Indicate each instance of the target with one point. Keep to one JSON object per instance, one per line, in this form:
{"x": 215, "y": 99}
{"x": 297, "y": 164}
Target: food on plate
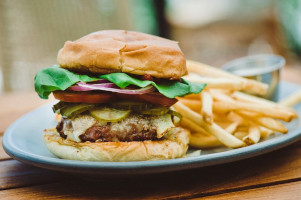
{"x": 225, "y": 78}
{"x": 223, "y": 115}
{"x": 115, "y": 89}
{"x": 291, "y": 100}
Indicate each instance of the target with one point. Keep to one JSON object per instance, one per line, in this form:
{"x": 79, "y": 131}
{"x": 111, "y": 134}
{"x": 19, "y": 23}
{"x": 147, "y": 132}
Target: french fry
{"x": 234, "y": 117}
{"x": 186, "y": 123}
{"x": 265, "y": 121}
{"x": 253, "y": 136}
{"x": 221, "y": 120}
{"x": 199, "y": 140}
{"x": 191, "y": 103}
{"x": 257, "y": 105}
{"x": 219, "y": 107}
{"x": 220, "y": 95}
{"x": 258, "y": 108}
{"x": 193, "y": 96}
{"x": 193, "y": 154}
{"x": 221, "y": 115}
{"x": 253, "y": 99}
{"x": 206, "y": 110}
{"x": 206, "y": 70}
{"x": 231, "y": 128}
{"x": 292, "y": 99}
{"x": 243, "y": 128}
{"x": 265, "y": 132}
{"x": 222, "y": 123}
{"x": 221, "y": 83}
{"x": 222, "y": 135}
{"x": 240, "y": 134}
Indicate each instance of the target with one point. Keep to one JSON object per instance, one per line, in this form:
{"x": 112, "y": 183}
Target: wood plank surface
{"x": 16, "y": 174}
{"x": 247, "y": 174}
{"x": 3, "y": 155}
{"x": 287, "y": 191}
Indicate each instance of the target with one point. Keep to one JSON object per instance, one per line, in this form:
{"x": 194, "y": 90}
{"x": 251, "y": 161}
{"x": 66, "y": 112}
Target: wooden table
{"x": 276, "y": 175}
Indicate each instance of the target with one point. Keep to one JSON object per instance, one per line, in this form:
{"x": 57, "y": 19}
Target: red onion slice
{"x": 86, "y": 87}
{"x": 110, "y": 88}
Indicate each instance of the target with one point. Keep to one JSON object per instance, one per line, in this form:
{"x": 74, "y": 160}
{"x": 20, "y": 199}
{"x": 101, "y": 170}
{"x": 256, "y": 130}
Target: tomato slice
{"x": 153, "y": 98}
{"x": 92, "y": 97}
{"x": 84, "y": 97}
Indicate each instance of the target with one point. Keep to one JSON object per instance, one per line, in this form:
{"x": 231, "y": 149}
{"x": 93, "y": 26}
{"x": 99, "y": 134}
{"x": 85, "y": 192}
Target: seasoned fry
{"x": 191, "y": 103}
{"x": 223, "y": 136}
{"x": 206, "y": 110}
{"x": 253, "y": 136}
{"x": 199, "y": 140}
{"x": 206, "y": 70}
{"x": 292, "y": 99}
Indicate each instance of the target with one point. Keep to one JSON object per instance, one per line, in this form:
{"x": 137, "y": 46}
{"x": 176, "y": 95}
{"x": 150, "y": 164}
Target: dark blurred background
{"x": 210, "y": 31}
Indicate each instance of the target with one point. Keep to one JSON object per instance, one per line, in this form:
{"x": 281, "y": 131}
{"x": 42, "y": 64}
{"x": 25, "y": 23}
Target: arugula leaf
{"x": 56, "y": 78}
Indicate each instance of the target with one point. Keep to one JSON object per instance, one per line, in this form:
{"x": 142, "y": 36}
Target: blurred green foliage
{"x": 290, "y": 18}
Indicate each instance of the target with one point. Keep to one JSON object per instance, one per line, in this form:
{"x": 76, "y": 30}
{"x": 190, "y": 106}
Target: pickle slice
{"x": 129, "y": 105}
{"x": 72, "y": 111}
{"x": 155, "y": 111}
{"x": 109, "y": 114}
{"x": 176, "y": 117}
{"x": 60, "y": 105}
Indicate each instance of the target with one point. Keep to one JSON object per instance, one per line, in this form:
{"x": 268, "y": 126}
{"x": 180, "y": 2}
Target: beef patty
{"x": 133, "y": 128}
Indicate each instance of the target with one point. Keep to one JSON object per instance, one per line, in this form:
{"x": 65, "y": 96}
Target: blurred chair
{"x": 32, "y": 31}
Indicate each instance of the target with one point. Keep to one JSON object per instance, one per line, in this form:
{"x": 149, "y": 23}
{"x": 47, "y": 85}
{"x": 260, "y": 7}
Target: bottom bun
{"x": 173, "y": 145}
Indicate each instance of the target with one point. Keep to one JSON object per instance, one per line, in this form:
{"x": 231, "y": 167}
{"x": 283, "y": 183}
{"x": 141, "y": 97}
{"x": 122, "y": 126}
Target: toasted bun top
{"x": 124, "y": 51}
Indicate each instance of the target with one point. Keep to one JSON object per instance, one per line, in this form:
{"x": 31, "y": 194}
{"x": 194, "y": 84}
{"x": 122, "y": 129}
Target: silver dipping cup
{"x": 264, "y": 68}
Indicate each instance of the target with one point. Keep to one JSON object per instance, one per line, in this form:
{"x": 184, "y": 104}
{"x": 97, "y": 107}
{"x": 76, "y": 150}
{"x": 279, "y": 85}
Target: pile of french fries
{"x": 223, "y": 115}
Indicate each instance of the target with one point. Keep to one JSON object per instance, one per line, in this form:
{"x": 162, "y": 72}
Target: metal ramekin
{"x": 264, "y": 68}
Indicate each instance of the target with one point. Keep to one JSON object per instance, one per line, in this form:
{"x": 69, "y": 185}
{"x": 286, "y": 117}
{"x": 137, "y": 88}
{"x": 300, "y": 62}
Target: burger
{"x": 116, "y": 90}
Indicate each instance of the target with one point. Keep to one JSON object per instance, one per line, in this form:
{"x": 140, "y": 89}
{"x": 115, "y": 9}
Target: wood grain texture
{"x": 3, "y": 155}
{"x": 258, "y": 172}
{"x": 16, "y": 174}
{"x": 287, "y": 191}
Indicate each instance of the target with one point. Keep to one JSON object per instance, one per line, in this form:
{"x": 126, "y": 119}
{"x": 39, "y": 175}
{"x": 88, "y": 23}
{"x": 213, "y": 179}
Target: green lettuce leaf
{"x": 56, "y": 78}
{"x": 170, "y": 89}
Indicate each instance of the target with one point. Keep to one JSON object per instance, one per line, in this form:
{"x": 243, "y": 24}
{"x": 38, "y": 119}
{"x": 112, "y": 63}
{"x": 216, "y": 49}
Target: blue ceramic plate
{"x": 23, "y": 141}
